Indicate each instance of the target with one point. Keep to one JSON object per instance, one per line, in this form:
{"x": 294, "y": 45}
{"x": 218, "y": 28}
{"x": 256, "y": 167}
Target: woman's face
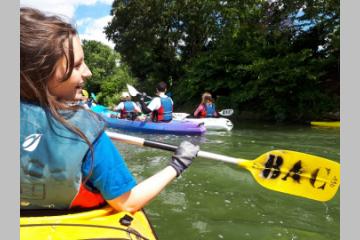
{"x": 70, "y": 89}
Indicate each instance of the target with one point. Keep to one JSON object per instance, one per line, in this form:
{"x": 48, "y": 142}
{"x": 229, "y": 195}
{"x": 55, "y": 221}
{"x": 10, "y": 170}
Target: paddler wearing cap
{"x": 127, "y": 108}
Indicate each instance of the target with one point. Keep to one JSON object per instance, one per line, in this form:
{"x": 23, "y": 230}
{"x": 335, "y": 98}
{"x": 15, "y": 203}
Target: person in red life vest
{"x": 67, "y": 161}
{"x": 128, "y": 109}
{"x": 160, "y": 107}
{"x": 206, "y": 108}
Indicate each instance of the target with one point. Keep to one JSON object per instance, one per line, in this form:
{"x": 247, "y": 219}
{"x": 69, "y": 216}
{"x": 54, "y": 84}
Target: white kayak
{"x": 179, "y": 115}
{"x": 219, "y": 124}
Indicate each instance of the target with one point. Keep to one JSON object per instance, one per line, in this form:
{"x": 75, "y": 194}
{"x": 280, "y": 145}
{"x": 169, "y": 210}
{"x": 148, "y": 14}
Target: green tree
{"x": 279, "y": 59}
{"x": 109, "y": 74}
{"x": 156, "y": 38}
{"x": 138, "y": 29}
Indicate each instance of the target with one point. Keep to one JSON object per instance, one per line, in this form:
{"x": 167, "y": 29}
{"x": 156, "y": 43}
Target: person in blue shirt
{"x": 66, "y": 159}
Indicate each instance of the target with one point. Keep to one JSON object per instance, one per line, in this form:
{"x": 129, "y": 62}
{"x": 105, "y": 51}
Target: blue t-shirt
{"x": 110, "y": 174}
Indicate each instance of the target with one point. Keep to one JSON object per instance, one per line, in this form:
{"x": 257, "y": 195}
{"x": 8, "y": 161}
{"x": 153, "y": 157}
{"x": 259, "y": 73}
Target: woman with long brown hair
{"x": 67, "y": 160}
{"x": 207, "y": 107}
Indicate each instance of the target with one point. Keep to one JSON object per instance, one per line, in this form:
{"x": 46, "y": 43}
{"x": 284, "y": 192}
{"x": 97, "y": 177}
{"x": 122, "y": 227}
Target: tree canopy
{"x": 109, "y": 74}
{"x": 278, "y": 59}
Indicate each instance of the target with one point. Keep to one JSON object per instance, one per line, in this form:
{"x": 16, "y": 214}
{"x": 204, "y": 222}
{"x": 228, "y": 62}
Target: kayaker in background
{"x": 207, "y": 107}
{"x": 128, "y": 109}
{"x": 85, "y": 94}
{"x": 86, "y": 101}
{"x": 160, "y": 107}
{"x": 66, "y": 158}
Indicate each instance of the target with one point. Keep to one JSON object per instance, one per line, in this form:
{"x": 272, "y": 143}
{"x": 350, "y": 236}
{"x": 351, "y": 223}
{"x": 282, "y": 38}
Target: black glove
{"x": 184, "y": 156}
{"x": 141, "y": 96}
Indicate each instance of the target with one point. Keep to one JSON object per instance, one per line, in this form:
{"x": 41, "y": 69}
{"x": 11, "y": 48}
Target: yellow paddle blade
{"x": 296, "y": 173}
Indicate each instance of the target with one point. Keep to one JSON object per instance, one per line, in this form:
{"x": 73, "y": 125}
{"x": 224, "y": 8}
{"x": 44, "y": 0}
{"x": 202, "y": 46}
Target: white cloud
{"x": 93, "y": 27}
{"x": 63, "y": 7}
{"x": 83, "y": 22}
{"x": 94, "y": 30}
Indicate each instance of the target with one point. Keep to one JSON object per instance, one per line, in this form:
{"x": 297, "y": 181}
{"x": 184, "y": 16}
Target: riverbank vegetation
{"x": 275, "y": 60}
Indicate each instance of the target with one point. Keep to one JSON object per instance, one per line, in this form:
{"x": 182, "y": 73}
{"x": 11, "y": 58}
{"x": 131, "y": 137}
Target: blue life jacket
{"x": 210, "y": 110}
{"x": 164, "y": 113}
{"x": 51, "y": 155}
{"x": 129, "y": 106}
{"x": 128, "y": 109}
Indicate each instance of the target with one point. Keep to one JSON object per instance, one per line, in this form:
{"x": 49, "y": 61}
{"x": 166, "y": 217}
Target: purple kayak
{"x": 173, "y": 127}
{"x": 178, "y": 127}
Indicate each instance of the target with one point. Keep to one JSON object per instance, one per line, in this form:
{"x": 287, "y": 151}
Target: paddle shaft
{"x": 284, "y": 171}
{"x": 167, "y": 147}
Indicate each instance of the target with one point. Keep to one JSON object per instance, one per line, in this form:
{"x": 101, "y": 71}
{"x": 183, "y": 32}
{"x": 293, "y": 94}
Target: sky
{"x": 88, "y": 16}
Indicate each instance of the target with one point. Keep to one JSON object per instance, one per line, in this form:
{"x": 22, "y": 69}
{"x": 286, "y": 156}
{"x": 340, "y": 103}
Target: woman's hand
{"x": 184, "y": 156}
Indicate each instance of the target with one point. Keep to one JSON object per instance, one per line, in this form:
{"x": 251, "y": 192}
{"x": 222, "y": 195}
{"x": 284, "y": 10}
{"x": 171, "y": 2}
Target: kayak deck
{"x": 104, "y": 223}
{"x": 216, "y": 124}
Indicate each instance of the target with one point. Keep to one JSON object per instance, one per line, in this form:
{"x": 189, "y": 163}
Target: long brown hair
{"x": 44, "y": 41}
{"x": 206, "y": 97}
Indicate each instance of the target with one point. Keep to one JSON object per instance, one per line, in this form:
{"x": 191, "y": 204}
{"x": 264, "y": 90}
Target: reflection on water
{"x": 215, "y": 200}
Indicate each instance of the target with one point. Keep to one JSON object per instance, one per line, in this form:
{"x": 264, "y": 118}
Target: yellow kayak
{"x": 104, "y": 223}
{"x": 326, "y": 124}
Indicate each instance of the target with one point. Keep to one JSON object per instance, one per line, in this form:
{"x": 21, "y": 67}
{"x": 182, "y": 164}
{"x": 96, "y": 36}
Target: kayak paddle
{"x": 93, "y": 96}
{"x": 226, "y": 112}
{"x": 181, "y": 116}
{"x": 290, "y": 172}
{"x": 133, "y": 92}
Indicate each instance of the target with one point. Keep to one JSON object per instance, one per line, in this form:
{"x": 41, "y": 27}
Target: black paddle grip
{"x": 160, "y": 145}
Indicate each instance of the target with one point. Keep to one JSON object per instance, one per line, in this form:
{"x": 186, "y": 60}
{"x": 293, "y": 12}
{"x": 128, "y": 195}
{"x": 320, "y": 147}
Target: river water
{"x": 216, "y": 200}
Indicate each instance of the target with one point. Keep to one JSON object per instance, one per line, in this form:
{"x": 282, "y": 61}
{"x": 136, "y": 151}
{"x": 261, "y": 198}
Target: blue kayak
{"x": 178, "y": 127}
